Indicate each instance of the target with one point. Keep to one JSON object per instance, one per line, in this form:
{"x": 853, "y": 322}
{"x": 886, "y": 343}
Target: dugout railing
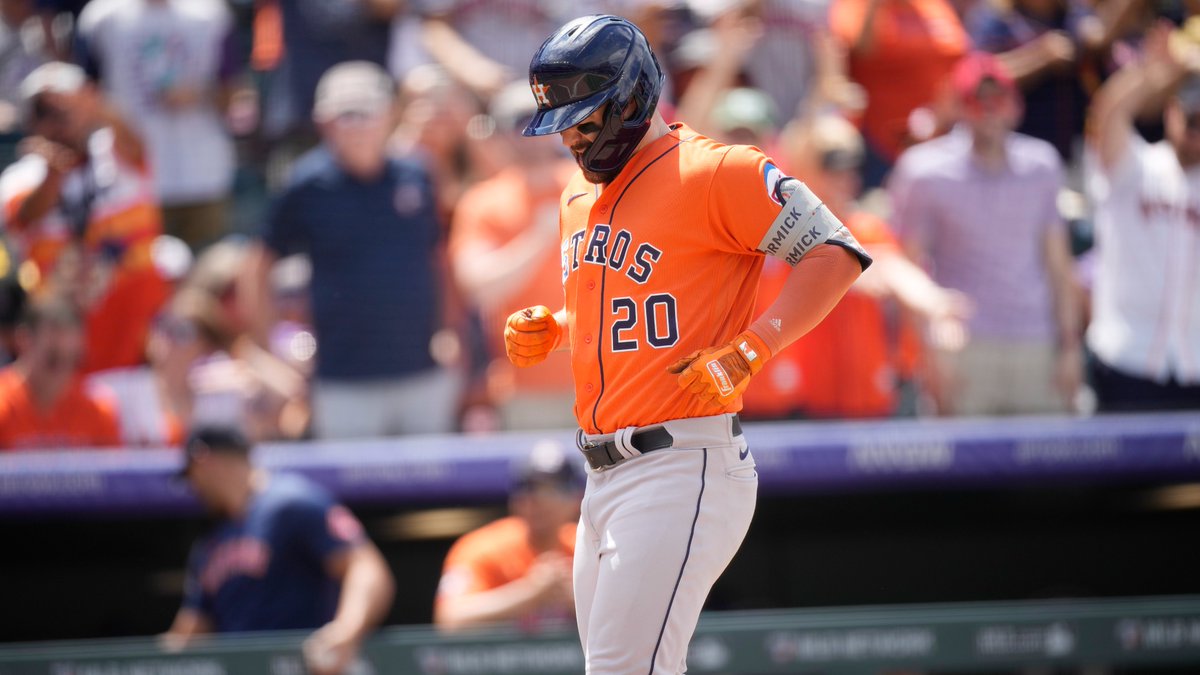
{"x": 962, "y": 637}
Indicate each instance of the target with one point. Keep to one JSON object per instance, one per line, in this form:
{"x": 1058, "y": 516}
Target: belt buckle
{"x": 581, "y": 441}
{"x": 585, "y": 446}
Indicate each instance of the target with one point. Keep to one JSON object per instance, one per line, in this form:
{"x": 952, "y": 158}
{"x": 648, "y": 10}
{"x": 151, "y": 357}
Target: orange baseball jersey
{"x": 492, "y": 556}
{"x": 80, "y": 419}
{"x": 915, "y": 46}
{"x": 665, "y": 260}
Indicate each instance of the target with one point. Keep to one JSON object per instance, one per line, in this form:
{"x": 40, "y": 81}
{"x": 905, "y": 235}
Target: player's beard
{"x": 597, "y": 178}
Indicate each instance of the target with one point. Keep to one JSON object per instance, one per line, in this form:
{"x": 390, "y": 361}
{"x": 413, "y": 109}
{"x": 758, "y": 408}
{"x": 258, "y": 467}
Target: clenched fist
{"x": 530, "y": 335}
{"x": 720, "y": 374}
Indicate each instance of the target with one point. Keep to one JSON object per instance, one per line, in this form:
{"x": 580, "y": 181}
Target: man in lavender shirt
{"x": 978, "y": 208}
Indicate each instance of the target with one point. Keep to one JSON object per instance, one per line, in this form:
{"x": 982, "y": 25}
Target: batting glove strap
{"x": 530, "y": 335}
{"x": 720, "y": 374}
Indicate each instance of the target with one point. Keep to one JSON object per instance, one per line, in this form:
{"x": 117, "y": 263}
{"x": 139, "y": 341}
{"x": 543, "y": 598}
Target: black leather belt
{"x": 606, "y": 454}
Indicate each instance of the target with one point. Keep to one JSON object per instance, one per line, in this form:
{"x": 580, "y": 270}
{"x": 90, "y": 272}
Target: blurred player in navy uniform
{"x": 285, "y": 556}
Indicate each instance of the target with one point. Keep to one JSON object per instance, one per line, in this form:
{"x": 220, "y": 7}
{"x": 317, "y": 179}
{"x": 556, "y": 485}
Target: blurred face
{"x": 212, "y": 477}
{"x": 839, "y": 176}
{"x": 1183, "y": 131}
{"x": 437, "y": 117}
{"x": 67, "y": 119}
{"x": 205, "y": 478}
{"x": 174, "y": 344}
{"x": 743, "y": 136}
{"x": 53, "y": 349}
{"x": 992, "y": 112}
{"x": 359, "y": 140}
{"x": 546, "y": 507}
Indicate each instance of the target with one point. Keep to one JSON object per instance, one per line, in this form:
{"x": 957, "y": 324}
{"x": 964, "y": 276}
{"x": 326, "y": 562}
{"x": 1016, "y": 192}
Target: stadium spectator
{"x": 504, "y": 260}
{"x": 22, "y": 49}
{"x": 80, "y": 205}
{"x": 900, "y": 52}
{"x": 205, "y": 370}
{"x": 483, "y": 44}
{"x": 59, "y": 18}
{"x": 518, "y": 569}
{"x": 782, "y": 47}
{"x": 318, "y": 34}
{"x": 368, "y": 222}
{"x": 978, "y": 207}
{"x": 137, "y": 389}
{"x": 746, "y": 116}
{"x": 852, "y": 364}
{"x": 713, "y": 62}
{"x": 1053, "y": 49}
{"x": 169, "y": 67}
{"x": 1144, "y": 336}
{"x": 284, "y": 556}
{"x": 434, "y": 118}
{"x": 42, "y": 402}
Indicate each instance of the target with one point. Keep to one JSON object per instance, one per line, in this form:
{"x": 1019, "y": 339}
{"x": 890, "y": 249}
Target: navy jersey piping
{"x": 604, "y": 275}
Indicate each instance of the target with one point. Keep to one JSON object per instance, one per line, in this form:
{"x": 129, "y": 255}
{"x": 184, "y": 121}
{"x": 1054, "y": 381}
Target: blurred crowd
{"x": 309, "y": 218}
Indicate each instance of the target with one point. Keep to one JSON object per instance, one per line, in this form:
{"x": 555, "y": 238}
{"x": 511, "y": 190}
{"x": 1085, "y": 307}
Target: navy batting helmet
{"x": 588, "y": 63}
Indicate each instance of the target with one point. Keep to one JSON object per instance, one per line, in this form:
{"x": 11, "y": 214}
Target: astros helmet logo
{"x": 539, "y": 92}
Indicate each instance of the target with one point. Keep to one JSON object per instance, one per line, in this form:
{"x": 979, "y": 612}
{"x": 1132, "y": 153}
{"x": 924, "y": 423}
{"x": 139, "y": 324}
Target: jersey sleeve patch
{"x": 772, "y": 176}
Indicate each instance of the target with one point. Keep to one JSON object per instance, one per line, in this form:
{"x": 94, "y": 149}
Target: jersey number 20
{"x": 657, "y": 315}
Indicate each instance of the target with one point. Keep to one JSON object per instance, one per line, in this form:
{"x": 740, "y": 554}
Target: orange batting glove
{"x": 530, "y": 335}
{"x": 720, "y": 374}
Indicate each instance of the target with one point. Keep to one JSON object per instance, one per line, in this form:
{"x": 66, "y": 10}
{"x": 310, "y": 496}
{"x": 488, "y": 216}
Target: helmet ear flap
{"x": 607, "y": 146}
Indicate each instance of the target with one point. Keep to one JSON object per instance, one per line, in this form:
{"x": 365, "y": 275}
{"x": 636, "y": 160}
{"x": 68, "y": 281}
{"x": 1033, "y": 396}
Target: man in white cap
{"x": 369, "y": 223}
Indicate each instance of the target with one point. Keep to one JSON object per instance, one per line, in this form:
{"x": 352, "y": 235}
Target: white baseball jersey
{"x": 1146, "y": 294}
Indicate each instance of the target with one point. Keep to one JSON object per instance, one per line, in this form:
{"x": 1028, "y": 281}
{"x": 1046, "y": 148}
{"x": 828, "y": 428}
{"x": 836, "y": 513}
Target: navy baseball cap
{"x": 207, "y": 439}
{"x": 549, "y": 463}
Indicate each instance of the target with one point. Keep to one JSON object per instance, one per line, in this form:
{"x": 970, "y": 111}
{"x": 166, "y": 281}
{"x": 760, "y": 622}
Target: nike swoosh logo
{"x": 743, "y": 454}
{"x": 575, "y": 196}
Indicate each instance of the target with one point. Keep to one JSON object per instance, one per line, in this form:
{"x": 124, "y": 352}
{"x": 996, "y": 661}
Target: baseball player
{"x": 663, "y": 234}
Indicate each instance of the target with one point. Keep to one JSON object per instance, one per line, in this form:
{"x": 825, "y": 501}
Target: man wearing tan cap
{"x": 369, "y": 223}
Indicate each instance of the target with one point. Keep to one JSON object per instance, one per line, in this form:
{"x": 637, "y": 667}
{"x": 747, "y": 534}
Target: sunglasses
{"x": 841, "y": 159}
{"x": 176, "y": 329}
{"x": 358, "y": 119}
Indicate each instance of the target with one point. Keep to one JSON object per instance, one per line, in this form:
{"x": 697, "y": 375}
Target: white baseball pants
{"x": 654, "y": 534}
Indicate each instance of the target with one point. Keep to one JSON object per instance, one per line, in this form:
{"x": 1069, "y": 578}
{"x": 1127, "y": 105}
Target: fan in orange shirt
{"x": 850, "y": 364}
{"x": 42, "y": 403}
{"x": 506, "y": 257}
{"x": 901, "y": 52}
{"x": 518, "y": 569}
